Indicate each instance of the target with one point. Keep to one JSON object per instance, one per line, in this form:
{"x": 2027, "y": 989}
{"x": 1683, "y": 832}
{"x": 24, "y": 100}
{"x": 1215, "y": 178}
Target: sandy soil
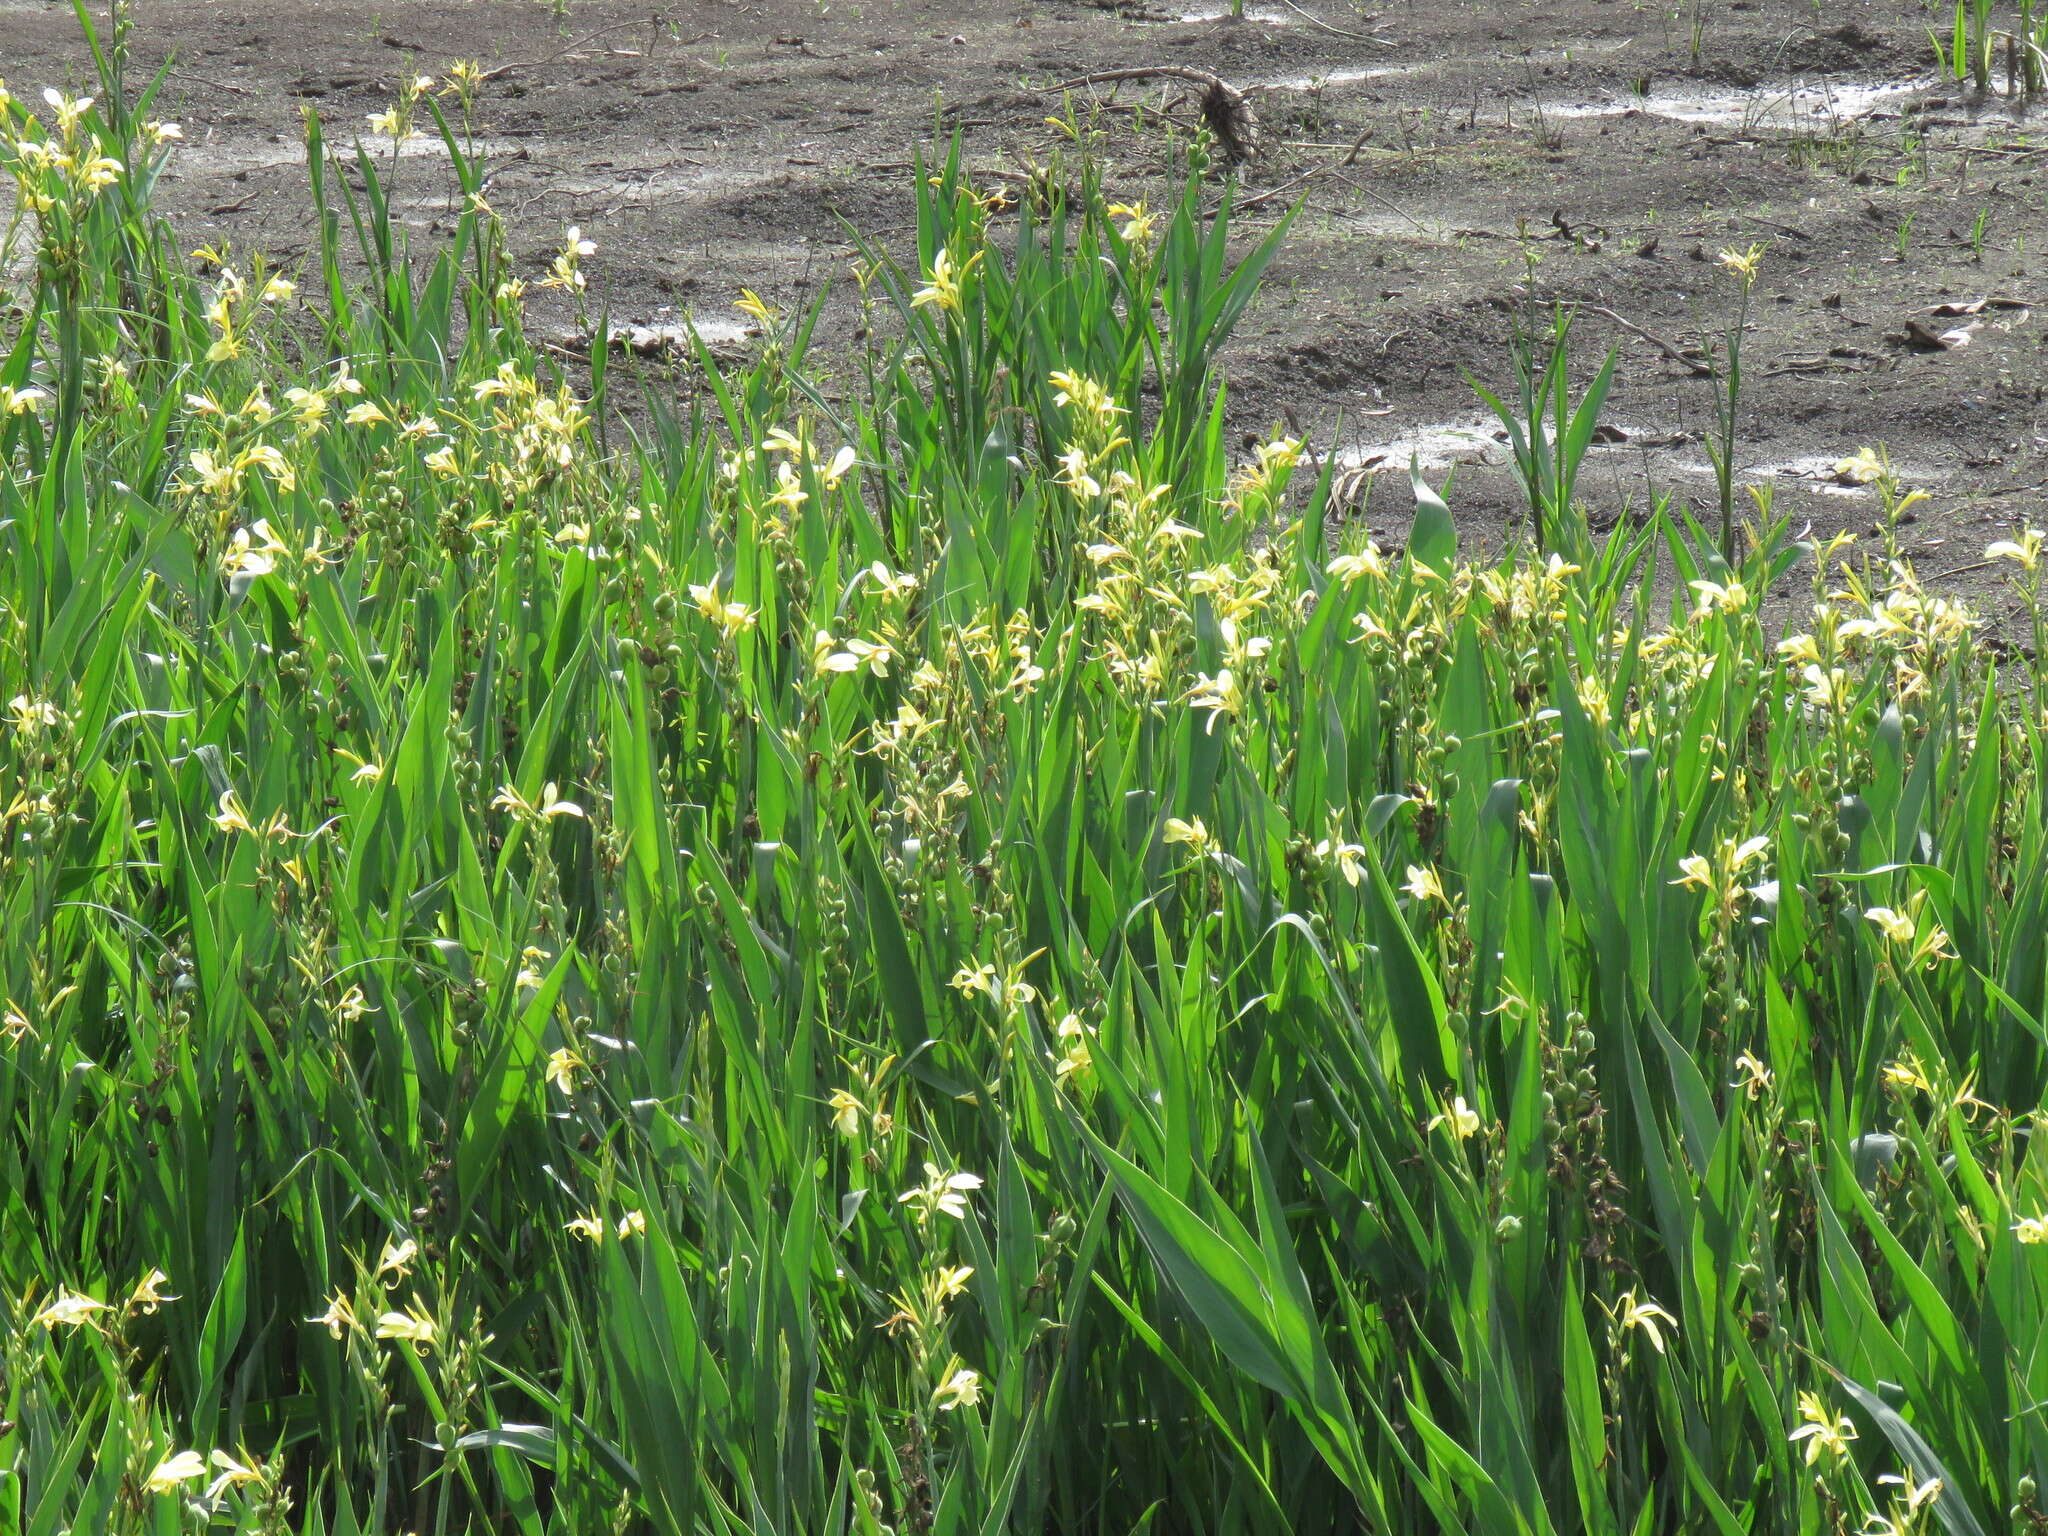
{"x": 723, "y": 143}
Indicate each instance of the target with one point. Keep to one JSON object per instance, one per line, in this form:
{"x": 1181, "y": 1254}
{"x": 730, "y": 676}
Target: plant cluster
{"x": 942, "y": 960}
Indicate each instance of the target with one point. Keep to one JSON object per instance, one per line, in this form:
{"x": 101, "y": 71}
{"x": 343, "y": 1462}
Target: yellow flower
{"x": 1461, "y": 1117}
{"x": 1916, "y": 1495}
{"x": 632, "y": 1224}
{"x": 32, "y": 715}
{"x": 846, "y": 1112}
{"x": 962, "y": 1389}
{"x": 732, "y": 618}
{"x": 1083, "y": 393}
{"x": 1927, "y": 942}
{"x": 229, "y": 1473}
{"x": 71, "y": 1309}
{"x": 2026, "y": 553}
{"x": 1349, "y": 858}
{"x": 1422, "y": 883}
{"x": 396, "y": 1259}
{"x": 750, "y": 303}
{"x": 789, "y": 490}
{"x": 230, "y": 817}
{"x": 149, "y": 1294}
{"x": 14, "y": 402}
{"x": 412, "y": 1325}
{"x": 1907, "y": 1073}
{"x": 545, "y": 808}
{"x": 1742, "y": 263}
{"x": 563, "y": 1065}
{"x": 982, "y": 979}
{"x": 943, "y": 286}
{"x": 1798, "y": 649}
{"x": 1823, "y": 1432}
{"x": 1194, "y": 833}
{"x": 1218, "y": 695}
{"x": 589, "y": 1227}
{"x": 2031, "y": 1229}
{"x": 365, "y": 413}
{"x": 1137, "y": 222}
{"x": 1075, "y": 477}
{"x": 338, "y": 1317}
{"x": 942, "y": 1193}
{"x": 1863, "y": 467}
{"x": 1077, "y": 1057}
{"x": 1752, "y": 1076}
{"x": 69, "y": 109}
{"x": 1348, "y": 568}
{"x": 1715, "y": 598}
{"x": 1632, "y": 1312}
{"x": 185, "y": 1467}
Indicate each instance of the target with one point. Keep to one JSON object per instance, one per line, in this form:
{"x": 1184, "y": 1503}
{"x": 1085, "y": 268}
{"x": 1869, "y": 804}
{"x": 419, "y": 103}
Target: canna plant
{"x": 936, "y": 958}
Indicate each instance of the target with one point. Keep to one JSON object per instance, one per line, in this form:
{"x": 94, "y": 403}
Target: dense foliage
{"x": 928, "y": 955}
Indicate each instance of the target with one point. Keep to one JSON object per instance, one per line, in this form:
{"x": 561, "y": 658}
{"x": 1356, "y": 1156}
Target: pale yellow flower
{"x": 1752, "y": 1076}
{"x": 943, "y": 287}
{"x": 1742, "y": 263}
{"x": 1074, "y": 475}
{"x": 962, "y": 1389}
{"x": 185, "y": 1467}
{"x": 942, "y": 1193}
{"x": 339, "y": 1316}
{"x": 149, "y": 1293}
{"x": 549, "y": 804}
{"x": 1824, "y": 1433}
{"x": 563, "y": 1065}
{"x": 70, "y": 1309}
{"x": 1348, "y": 857}
{"x": 412, "y": 1325}
{"x": 1462, "y": 1118}
{"x": 2025, "y": 552}
{"x": 1349, "y": 568}
{"x": 1218, "y": 696}
{"x": 229, "y": 1473}
{"x": 1137, "y": 228}
{"x": 1632, "y": 1312}
{"x": 1424, "y": 885}
{"x": 396, "y": 1259}
{"x": 846, "y": 1112}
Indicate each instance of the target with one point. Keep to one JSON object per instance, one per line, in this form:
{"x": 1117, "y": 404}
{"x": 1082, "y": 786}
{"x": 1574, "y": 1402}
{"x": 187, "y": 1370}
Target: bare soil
{"x": 1433, "y": 148}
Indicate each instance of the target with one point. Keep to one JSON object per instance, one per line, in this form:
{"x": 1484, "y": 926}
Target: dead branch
{"x": 561, "y": 53}
{"x": 1684, "y": 359}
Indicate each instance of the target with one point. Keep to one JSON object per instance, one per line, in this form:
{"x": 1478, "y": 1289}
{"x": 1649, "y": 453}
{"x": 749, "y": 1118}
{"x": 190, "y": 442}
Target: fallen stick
{"x": 1686, "y": 360}
{"x": 587, "y": 38}
{"x": 1363, "y": 37}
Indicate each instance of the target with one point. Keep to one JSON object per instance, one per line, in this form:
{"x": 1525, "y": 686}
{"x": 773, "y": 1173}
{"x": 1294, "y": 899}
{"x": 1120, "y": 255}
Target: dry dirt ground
{"x": 1434, "y": 148}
